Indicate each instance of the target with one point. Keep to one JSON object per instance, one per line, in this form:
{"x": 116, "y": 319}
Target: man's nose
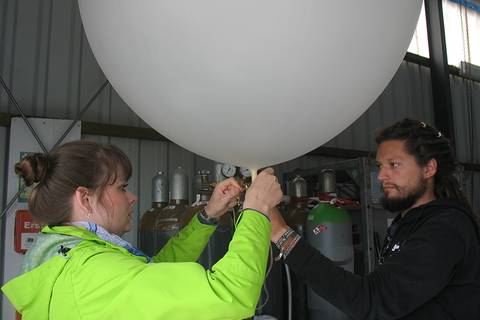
{"x": 382, "y": 175}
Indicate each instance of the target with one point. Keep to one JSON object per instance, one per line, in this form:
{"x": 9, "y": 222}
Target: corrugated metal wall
{"x": 3, "y": 160}
{"x": 409, "y": 94}
{"x": 466, "y": 113}
{"x": 46, "y": 61}
{"x": 466, "y": 106}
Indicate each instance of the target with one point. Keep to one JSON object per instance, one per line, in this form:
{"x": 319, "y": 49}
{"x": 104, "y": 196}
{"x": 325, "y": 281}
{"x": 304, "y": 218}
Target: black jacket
{"x": 431, "y": 270}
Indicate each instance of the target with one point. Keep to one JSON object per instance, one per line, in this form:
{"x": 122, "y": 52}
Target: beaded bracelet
{"x": 286, "y": 243}
{"x": 279, "y": 243}
{"x": 291, "y": 245}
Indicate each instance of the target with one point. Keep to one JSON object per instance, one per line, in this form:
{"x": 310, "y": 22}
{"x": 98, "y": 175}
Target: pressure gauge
{"x": 245, "y": 172}
{"x": 228, "y": 170}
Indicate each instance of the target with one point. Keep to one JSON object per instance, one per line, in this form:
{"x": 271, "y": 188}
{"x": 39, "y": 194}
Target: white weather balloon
{"x": 249, "y": 82}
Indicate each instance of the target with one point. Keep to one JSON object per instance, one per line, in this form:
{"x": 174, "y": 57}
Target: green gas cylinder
{"x": 329, "y": 230}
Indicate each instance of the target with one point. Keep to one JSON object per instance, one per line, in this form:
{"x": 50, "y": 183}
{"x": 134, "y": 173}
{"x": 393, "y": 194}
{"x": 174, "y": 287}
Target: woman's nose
{"x": 133, "y": 198}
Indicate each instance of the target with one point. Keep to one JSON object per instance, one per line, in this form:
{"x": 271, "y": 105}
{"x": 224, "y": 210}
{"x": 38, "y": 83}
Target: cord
{"x": 265, "y": 290}
{"x": 289, "y": 290}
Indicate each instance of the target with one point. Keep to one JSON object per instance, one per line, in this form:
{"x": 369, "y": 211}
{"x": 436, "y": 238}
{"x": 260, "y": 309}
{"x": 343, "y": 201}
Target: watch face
{"x": 245, "y": 172}
{"x": 229, "y": 170}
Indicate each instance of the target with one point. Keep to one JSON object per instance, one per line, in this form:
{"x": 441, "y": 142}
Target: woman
{"x": 80, "y": 268}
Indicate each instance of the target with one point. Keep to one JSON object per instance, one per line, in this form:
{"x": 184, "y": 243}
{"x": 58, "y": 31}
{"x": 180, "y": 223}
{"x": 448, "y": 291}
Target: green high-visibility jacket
{"x": 99, "y": 280}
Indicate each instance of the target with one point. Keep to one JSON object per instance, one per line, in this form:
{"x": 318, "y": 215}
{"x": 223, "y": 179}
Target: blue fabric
{"x": 112, "y": 238}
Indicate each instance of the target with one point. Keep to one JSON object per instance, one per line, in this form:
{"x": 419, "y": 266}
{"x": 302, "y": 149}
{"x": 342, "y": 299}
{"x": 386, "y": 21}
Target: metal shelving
{"x": 359, "y": 178}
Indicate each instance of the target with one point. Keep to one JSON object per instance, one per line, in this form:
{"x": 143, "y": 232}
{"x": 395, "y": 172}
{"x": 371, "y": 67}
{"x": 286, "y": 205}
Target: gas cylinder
{"x": 203, "y": 192}
{"x": 170, "y": 219}
{"x": 329, "y": 230}
{"x": 327, "y": 181}
{"x": 147, "y": 223}
{"x": 296, "y": 214}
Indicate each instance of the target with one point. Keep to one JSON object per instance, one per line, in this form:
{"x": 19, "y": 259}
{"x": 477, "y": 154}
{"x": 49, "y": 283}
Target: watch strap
{"x": 204, "y": 219}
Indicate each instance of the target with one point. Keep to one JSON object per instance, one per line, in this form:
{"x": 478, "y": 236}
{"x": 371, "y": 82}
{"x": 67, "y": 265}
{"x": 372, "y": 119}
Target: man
{"x": 430, "y": 264}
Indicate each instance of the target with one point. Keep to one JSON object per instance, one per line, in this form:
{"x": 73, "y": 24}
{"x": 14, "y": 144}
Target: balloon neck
{"x": 254, "y": 173}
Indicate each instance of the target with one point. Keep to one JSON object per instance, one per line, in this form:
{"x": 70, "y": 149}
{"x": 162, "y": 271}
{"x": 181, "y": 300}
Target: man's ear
{"x": 430, "y": 169}
{"x": 82, "y": 197}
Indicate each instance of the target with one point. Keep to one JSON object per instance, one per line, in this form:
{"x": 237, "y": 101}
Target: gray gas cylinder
{"x": 299, "y": 187}
{"x": 179, "y": 185}
{"x": 327, "y": 181}
{"x": 329, "y": 230}
{"x": 146, "y": 238}
{"x": 297, "y": 211}
{"x": 171, "y": 219}
{"x": 160, "y": 188}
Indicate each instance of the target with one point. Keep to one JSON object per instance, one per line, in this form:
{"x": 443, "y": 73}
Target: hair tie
{"x": 439, "y": 134}
{"x": 423, "y": 124}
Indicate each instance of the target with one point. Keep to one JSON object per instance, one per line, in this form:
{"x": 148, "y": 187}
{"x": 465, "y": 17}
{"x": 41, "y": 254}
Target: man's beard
{"x": 402, "y": 204}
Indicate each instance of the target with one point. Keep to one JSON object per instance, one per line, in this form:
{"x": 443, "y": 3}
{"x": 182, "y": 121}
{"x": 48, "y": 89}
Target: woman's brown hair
{"x": 60, "y": 172}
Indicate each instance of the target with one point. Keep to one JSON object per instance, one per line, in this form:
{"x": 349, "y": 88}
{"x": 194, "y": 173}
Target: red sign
{"x": 319, "y": 229}
{"x": 25, "y": 231}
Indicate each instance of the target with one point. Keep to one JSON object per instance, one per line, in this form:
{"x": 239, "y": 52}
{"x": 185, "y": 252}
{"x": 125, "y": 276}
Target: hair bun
{"x": 32, "y": 168}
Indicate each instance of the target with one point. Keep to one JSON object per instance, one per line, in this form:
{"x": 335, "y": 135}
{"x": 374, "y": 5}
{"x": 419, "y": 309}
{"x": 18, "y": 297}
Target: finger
{"x": 232, "y": 193}
{"x": 234, "y": 183}
{"x": 221, "y": 185}
{"x": 228, "y": 184}
{"x": 268, "y": 170}
{"x": 234, "y": 187}
{"x": 232, "y": 204}
{"x": 236, "y": 191}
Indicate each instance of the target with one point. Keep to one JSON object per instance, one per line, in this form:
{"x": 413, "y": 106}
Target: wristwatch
{"x": 202, "y": 216}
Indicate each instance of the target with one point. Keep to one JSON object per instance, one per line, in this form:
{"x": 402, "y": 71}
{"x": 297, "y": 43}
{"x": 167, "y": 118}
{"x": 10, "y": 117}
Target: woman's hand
{"x": 279, "y": 227}
{"x": 264, "y": 193}
{"x": 224, "y": 197}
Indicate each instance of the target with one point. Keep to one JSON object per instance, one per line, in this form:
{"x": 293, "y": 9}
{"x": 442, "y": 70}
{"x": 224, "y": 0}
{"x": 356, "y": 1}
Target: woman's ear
{"x": 83, "y": 199}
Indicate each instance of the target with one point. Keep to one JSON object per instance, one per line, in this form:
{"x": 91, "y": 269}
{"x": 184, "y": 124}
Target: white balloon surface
{"x": 249, "y": 82}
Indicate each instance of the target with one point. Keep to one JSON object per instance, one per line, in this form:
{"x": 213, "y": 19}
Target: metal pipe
{"x": 15, "y": 103}
{"x": 11, "y": 202}
{"x": 81, "y": 113}
{"x": 79, "y": 116}
{"x": 442, "y": 96}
